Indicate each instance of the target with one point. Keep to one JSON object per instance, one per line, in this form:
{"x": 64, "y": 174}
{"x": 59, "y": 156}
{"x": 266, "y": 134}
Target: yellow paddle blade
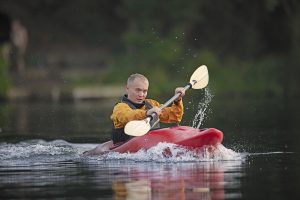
{"x": 137, "y": 127}
{"x": 199, "y": 79}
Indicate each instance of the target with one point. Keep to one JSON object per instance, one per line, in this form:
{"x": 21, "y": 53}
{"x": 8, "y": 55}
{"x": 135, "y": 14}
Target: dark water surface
{"x": 41, "y": 146}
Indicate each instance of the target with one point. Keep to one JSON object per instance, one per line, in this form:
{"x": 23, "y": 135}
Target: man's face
{"x": 137, "y": 90}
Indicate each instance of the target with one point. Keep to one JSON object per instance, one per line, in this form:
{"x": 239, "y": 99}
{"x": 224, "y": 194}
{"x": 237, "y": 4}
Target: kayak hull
{"x": 181, "y": 135}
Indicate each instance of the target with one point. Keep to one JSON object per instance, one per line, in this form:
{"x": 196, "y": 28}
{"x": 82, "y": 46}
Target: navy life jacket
{"x": 118, "y": 134}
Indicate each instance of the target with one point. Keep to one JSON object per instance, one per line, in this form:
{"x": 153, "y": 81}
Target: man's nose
{"x": 141, "y": 93}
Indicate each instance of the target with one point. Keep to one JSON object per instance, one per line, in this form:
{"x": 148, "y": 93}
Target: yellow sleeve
{"x": 171, "y": 114}
{"x": 122, "y": 114}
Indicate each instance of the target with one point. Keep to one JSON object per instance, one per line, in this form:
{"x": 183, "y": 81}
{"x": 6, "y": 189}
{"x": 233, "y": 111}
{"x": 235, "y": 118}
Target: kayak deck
{"x": 181, "y": 135}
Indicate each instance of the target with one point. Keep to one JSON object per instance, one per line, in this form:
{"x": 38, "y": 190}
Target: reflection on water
{"x": 119, "y": 181}
{"x": 174, "y": 181}
{"x": 177, "y": 181}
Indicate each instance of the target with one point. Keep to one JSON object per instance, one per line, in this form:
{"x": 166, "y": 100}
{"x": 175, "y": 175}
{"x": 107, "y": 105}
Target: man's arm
{"x": 172, "y": 114}
{"x": 122, "y": 114}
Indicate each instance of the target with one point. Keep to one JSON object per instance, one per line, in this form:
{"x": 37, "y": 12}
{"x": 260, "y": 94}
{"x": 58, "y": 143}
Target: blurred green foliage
{"x": 248, "y": 46}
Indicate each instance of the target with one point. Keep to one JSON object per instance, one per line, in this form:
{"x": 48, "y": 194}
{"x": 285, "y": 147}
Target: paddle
{"x": 198, "y": 80}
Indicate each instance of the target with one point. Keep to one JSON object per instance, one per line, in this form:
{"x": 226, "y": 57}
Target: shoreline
{"x": 58, "y": 94}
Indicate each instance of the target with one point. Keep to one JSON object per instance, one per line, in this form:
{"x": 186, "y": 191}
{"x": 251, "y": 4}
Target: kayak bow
{"x": 181, "y": 135}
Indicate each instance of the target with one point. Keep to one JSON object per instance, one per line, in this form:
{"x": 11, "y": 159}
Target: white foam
{"x": 32, "y": 148}
{"x": 166, "y": 152}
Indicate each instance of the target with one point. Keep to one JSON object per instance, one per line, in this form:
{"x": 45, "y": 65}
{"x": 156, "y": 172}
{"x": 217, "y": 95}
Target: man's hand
{"x": 155, "y": 109}
{"x": 181, "y": 91}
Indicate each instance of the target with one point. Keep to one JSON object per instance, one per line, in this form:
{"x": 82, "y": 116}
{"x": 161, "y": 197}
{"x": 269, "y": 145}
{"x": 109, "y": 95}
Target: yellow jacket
{"x": 122, "y": 113}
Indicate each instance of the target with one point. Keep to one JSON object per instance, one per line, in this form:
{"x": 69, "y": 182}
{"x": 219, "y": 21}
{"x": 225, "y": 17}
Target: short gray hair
{"x": 132, "y": 77}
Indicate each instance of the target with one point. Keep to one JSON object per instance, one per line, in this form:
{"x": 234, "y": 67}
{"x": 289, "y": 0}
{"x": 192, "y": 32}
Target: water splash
{"x": 201, "y": 109}
{"x": 166, "y": 152}
{"x": 33, "y": 148}
{"x": 34, "y": 152}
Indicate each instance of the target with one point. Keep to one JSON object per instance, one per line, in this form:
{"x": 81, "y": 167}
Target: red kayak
{"x": 180, "y": 135}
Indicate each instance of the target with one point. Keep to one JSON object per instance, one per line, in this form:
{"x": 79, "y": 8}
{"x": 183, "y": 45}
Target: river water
{"x": 41, "y": 146}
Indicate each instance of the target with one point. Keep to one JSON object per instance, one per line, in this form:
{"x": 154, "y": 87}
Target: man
{"x": 135, "y": 106}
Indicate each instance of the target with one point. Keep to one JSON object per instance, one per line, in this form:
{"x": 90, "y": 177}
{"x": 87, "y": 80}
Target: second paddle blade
{"x": 137, "y": 127}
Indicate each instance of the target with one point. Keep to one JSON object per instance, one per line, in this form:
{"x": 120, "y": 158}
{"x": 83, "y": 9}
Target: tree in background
{"x": 5, "y": 81}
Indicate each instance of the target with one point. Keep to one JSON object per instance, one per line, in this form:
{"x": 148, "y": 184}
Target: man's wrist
{"x": 177, "y": 101}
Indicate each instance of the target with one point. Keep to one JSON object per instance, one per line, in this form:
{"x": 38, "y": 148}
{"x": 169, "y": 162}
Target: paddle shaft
{"x": 188, "y": 86}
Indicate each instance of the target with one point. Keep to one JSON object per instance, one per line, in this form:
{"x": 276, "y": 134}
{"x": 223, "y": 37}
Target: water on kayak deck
{"x": 41, "y": 146}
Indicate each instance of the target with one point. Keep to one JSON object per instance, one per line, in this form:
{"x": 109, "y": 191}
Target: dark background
{"x": 250, "y": 47}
